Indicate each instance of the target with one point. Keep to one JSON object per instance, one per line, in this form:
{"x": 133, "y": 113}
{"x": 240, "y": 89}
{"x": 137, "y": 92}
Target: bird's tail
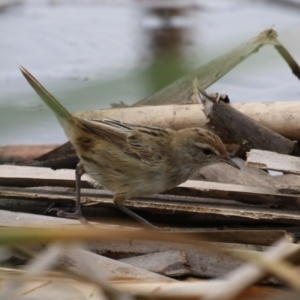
{"x": 62, "y": 115}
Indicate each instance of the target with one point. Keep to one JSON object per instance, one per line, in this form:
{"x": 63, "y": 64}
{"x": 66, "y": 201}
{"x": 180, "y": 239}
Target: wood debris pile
{"x": 236, "y": 227}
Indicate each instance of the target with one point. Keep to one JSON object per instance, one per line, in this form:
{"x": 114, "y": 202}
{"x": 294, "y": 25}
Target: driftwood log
{"x": 232, "y": 125}
{"x": 281, "y": 117}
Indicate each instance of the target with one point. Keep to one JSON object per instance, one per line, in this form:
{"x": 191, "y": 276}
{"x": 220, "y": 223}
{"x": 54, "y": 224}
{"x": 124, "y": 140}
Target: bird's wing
{"x": 116, "y": 125}
{"x": 148, "y": 144}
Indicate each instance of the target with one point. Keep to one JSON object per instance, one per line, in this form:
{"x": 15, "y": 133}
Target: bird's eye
{"x": 207, "y": 151}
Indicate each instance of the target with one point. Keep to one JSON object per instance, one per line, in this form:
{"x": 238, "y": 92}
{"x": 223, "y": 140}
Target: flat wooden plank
{"x": 262, "y": 237}
{"x": 33, "y": 176}
{"x": 268, "y": 160}
{"x": 16, "y": 219}
{"x": 188, "y": 192}
{"x": 241, "y": 193}
{"x": 291, "y": 216}
{"x": 195, "y": 205}
{"x": 25, "y": 220}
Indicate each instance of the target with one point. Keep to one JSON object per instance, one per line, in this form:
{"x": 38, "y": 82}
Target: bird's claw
{"x": 76, "y": 215}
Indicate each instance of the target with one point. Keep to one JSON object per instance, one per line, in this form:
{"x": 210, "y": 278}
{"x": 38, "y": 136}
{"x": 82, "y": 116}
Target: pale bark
{"x": 282, "y": 117}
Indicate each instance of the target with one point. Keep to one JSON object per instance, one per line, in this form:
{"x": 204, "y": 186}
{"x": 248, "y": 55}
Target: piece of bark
{"x": 246, "y": 176}
{"x": 255, "y": 215}
{"x": 260, "y": 237}
{"x": 230, "y": 125}
{"x": 268, "y": 160}
{"x": 290, "y": 179}
{"x": 59, "y": 151}
{"x": 232, "y": 239}
{"x": 64, "y": 162}
{"x": 168, "y": 263}
{"x": 22, "y": 153}
{"x": 81, "y": 261}
{"x": 203, "y": 261}
{"x": 62, "y": 157}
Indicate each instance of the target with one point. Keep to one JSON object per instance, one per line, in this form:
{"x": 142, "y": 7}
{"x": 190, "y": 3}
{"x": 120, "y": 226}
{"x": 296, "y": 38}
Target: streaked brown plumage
{"x": 133, "y": 160}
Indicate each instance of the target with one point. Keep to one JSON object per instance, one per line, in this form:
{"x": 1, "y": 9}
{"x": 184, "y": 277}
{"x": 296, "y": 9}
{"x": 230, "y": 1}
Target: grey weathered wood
{"x": 25, "y": 220}
{"x": 246, "y": 176}
{"x": 33, "y": 176}
{"x": 268, "y": 160}
{"x": 232, "y": 125}
{"x": 16, "y": 219}
{"x": 203, "y": 261}
{"x": 169, "y": 263}
{"x": 190, "y": 197}
{"x": 292, "y": 180}
{"x": 84, "y": 262}
{"x": 245, "y": 194}
{"x": 200, "y": 206}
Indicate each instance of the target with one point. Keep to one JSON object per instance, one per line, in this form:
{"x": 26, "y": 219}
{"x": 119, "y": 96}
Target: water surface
{"x": 90, "y": 54}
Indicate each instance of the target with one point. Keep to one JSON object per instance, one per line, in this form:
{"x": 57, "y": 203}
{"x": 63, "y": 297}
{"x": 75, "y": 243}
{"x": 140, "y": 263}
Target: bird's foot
{"x": 75, "y": 215}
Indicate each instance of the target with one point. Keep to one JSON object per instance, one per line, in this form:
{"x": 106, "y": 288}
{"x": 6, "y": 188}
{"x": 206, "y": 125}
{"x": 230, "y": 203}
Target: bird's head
{"x": 202, "y": 147}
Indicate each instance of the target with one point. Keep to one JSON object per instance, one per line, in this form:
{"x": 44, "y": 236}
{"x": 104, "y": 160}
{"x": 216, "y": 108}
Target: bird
{"x": 132, "y": 160}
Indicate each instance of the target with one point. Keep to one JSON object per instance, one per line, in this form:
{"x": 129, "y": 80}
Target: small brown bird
{"x": 133, "y": 160}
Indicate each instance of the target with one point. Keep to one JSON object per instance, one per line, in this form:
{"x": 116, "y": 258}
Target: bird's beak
{"x": 229, "y": 161}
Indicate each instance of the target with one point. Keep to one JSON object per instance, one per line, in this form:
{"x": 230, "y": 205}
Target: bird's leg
{"x": 119, "y": 203}
{"x": 78, "y": 213}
